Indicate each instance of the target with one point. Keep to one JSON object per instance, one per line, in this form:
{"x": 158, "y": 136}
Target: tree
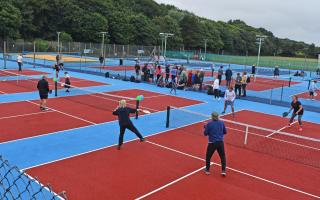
{"x": 10, "y": 20}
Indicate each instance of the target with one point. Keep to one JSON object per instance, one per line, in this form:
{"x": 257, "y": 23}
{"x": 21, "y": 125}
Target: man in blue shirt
{"x": 215, "y": 130}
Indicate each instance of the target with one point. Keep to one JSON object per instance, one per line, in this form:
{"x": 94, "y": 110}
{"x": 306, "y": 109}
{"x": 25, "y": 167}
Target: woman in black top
{"x": 123, "y": 114}
{"x": 297, "y": 108}
{"x": 43, "y": 88}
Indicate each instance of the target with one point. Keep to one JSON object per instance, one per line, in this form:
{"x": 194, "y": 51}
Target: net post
{"x": 168, "y": 117}
{"x": 290, "y": 81}
{"x": 246, "y": 136}
{"x": 281, "y": 97}
{"x": 56, "y": 88}
{"x": 309, "y": 84}
{"x": 137, "y": 107}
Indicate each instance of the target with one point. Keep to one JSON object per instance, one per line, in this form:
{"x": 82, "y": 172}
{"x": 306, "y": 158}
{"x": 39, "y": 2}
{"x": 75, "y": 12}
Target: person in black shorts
{"x": 253, "y": 70}
{"x": 298, "y": 110}
{"x": 137, "y": 69}
{"x": 43, "y": 88}
{"x": 67, "y": 82}
{"x": 123, "y": 114}
{"x": 56, "y": 67}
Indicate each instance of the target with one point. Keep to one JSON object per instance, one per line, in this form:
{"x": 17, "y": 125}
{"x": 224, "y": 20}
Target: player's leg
{"x": 209, "y": 154}
{"x": 222, "y": 155}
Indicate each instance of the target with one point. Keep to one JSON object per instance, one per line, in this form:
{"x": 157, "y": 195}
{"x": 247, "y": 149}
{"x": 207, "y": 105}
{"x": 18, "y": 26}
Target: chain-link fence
{"x": 18, "y": 185}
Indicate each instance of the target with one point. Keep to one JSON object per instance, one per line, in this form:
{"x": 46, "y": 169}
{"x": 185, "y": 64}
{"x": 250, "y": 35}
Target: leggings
{"x": 132, "y": 128}
{"x": 299, "y": 118}
{"x": 212, "y": 147}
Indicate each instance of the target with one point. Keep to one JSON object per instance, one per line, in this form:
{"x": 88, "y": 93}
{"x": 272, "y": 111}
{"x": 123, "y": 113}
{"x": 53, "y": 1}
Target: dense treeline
{"x": 137, "y": 22}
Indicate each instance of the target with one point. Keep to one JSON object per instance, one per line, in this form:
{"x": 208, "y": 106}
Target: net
{"x": 14, "y": 82}
{"x": 297, "y": 148}
{"x": 105, "y": 101}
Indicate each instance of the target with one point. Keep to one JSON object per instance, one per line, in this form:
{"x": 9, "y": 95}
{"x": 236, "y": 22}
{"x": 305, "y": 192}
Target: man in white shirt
{"x": 216, "y": 89}
{"x": 19, "y": 61}
{"x": 229, "y": 98}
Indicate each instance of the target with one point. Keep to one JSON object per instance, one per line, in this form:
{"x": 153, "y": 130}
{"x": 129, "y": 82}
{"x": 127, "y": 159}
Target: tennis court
{"x": 26, "y": 81}
{"x": 170, "y": 166}
{"x": 65, "y": 58}
{"x": 262, "y": 84}
{"x": 72, "y": 145}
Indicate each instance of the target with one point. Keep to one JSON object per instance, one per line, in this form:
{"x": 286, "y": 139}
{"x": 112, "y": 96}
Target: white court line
{"x": 169, "y": 184}
{"x": 23, "y": 115}
{"x": 229, "y": 168}
{"x": 38, "y": 182}
{"x": 280, "y": 130}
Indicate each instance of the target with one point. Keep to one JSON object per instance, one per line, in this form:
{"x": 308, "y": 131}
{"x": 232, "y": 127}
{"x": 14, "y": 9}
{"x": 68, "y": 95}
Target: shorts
{"x": 229, "y": 103}
{"x": 43, "y": 96}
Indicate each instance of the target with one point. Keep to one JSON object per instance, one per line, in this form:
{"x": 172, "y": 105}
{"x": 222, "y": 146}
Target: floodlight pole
{"x": 205, "y": 49}
{"x": 59, "y": 42}
{"x": 165, "y": 36}
{"x": 102, "y": 43}
{"x": 260, "y": 38}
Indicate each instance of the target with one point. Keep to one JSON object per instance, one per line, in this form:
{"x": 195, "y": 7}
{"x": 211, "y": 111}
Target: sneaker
{"x": 119, "y": 147}
{"x": 300, "y": 129}
{"x": 289, "y": 125}
{"x": 142, "y": 140}
{"x": 223, "y": 173}
{"x": 223, "y": 113}
{"x": 207, "y": 172}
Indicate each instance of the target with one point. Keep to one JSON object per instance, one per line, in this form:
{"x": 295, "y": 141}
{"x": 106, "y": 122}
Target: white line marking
{"x": 229, "y": 168}
{"x": 38, "y": 182}
{"x": 23, "y": 115}
{"x": 280, "y": 130}
{"x": 169, "y": 184}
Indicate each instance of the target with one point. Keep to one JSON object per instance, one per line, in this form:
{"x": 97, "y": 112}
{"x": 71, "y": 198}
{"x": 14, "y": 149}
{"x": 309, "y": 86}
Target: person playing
{"x": 101, "y": 60}
{"x": 43, "y": 88}
{"x": 20, "y": 62}
{"x": 215, "y": 130}
{"x": 167, "y": 70}
{"x": 276, "y": 72}
{"x": 238, "y": 85}
{"x": 201, "y": 79}
{"x": 57, "y": 58}
{"x": 67, "y": 82}
{"x": 61, "y": 63}
{"x": 137, "y": 69}
{"x": 123, "y": 112}
{"x": 313, "y": 89}
{"x": 220, "y": 73}
{"x": 318, "y": 72}
{"x": 298, "y": 110}
{"x": 228, "y": 77}
{"x": 229, "y": 98}
{"x": 158, "y": 72}
{"x": 57, "y": 69}
{"x": 216, "y": 89}
{"x": 244, "y": 82}
{"x": 174, "y": 80}
{"x": 253, "y": 70}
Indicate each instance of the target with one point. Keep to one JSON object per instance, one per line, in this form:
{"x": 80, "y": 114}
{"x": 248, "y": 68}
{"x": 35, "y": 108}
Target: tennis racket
{"x": 144, "y": 111}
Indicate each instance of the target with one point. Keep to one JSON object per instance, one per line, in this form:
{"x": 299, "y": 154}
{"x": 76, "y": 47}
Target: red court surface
{"x": 169, "y": 166}
{"x": 14, "y": 86}
{"x": 307, "y": 96}
{"x": 261, "y": 84}
{"x": 71, "y": 112}
{"x": 26, "y": 72}
{"x": 116, "y": 68}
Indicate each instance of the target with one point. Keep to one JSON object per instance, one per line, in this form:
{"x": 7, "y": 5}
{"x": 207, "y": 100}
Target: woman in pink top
{"x": 158, "y": 72}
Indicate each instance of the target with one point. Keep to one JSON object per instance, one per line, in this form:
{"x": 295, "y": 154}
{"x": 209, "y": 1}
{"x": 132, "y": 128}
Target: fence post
{"x": 168, "y": 117}
{"x": 271, "y": 94}
{"x": 281, "y": 97}
{"x": 34, "y": 54}
{"x": 4, "y": 54}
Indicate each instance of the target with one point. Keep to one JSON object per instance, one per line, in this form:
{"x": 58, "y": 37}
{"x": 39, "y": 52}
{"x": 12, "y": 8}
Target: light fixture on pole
{"x": 165, "y": 36}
